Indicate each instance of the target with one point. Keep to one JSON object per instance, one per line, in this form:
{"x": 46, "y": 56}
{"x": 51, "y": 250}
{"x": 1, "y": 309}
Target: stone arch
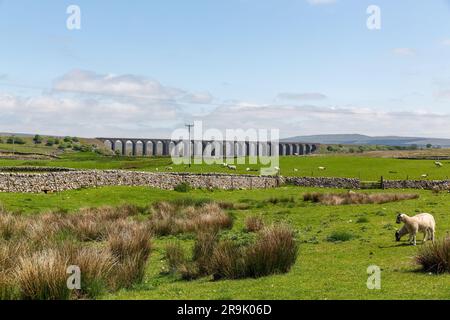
{"x": 127, "y": 147}
{"x": 308, "y": 149}
{"x": 282, "y": 151}
{"x": 138, "y": 148}
{"x": 159, "y": 148}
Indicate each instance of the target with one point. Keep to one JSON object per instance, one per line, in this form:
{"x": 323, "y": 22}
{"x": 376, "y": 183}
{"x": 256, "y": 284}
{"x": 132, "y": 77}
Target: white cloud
{"x": 88, "y": 104}
{"x": 301, "y": 96}
{"x": 308, "y": 119}
{"x": 405, "y": 52}
{"x": 321, "y": 2}
{"x": 80, "y": 81}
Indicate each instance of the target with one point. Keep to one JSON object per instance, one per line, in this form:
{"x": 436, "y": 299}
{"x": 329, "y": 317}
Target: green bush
{"x": 15, "y": 140}
{"x": 37, "y": 139}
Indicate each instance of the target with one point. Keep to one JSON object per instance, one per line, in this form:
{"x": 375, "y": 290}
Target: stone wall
{"x": 417, "y": 184}
{"x": 60, "y": 181}
{"x": 72, "y": 180}
{"x": 342, "y": 183}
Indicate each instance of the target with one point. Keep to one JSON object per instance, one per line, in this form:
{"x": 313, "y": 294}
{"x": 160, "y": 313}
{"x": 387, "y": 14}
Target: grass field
{"x": 365, "y": 168}
{"x": 324, "y": 270}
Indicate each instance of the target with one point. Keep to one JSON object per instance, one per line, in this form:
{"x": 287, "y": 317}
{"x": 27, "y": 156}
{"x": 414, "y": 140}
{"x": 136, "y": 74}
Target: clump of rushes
{"x": 435, "y": 257}
{"x": 337, "y": 199}
{"x": 254, "y": 224}
{"x": 340, "y": 236}
{"x": 170, "y": 219}
{"x": 274, "y": 251}
{"x": 130, "y": 245}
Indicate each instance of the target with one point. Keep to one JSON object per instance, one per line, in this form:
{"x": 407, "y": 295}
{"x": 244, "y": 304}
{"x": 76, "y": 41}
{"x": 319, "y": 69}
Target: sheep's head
{"x": 399, "y": 218}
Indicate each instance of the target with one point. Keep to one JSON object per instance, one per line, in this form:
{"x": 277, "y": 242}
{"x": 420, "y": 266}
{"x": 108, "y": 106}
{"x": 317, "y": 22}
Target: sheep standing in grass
{"x": 438, "y": 164}
{"x": 423, "y": 222}
{"x": 234, "y": 168}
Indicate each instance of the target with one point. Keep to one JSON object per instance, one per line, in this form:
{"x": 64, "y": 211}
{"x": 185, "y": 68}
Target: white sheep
{"x": 423, "y": 222}
{"x": 232, "y": 167}
{"x": 438, "y": 164}
{"x": 295, "y": 170}
{"x": 322, "y": 168}
{"x": 424, "y": 176}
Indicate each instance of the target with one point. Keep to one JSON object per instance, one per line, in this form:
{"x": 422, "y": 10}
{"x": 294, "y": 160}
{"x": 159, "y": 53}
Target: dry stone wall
{"x": 72, "y": 180}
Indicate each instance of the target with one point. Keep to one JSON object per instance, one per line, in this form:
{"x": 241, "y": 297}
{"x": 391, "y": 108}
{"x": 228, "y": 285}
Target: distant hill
{"x": 358, "y": 139}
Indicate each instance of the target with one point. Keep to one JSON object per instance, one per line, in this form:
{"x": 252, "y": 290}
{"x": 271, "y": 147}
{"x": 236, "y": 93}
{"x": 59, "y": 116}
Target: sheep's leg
{"x": 425, "y": 236}
{"x": 414, "y": 238}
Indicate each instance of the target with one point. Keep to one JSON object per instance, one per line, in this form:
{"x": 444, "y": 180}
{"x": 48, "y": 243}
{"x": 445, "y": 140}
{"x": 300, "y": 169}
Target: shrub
{"x": 37, "y": 139}
{"x": 435, "y": 257}
{"x": 15, "y": 140}
{"x": 253, "y": 224}
{"x": 338, "y": 236}
{"x": 50, "y": 142}
{"x": 182, "y": 187}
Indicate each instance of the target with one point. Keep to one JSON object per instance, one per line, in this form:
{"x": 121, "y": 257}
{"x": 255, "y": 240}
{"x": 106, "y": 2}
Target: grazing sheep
{"x": 424, "y": 176}
{"x": 295, "y": 170}
{"x": 400, "y": 233}
{"x": 438, "y": 164}
{"x": 322, "y": 168}
{"x": 232, "y": 167}
{"x": 423, "y": 222}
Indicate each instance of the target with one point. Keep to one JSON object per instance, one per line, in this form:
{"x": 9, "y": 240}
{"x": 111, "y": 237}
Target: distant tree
{"x": 429, "y": 146}
{"x": 57, "y": 141}
{"x": 15, "y": 140}
{"x": 75, "y": 139}
{"x": 37, "y": 139}
{"x": 68, "y": 139}
{"x": 50, "y": 142}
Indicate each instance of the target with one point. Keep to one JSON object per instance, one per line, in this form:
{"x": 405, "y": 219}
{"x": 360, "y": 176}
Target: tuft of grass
{"x": 175, "y": 256}
{"x": 362, "y": 220}
{"x": 42, "y": 276}
{"x": 435, "y": 257}
{"x": 254, "y": 224}
{"x": 169, "y": 219}
{"x": 340, "y": 236}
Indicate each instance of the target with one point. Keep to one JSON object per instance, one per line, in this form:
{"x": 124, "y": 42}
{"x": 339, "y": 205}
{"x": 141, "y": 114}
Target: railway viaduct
{"x": 166, "y": 147}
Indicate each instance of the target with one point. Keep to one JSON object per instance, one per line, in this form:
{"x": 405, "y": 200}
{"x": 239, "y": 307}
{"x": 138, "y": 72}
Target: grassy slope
{"x": 323, "y": 271}
{"x": 365, "y": 168}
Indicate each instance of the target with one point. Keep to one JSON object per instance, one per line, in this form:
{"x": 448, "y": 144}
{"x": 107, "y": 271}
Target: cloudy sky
{"x": 144, "y": 68}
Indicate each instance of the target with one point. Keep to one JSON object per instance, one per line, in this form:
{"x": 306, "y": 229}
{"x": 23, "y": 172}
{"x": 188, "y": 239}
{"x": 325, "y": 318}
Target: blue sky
{"x": 140, "y": 68}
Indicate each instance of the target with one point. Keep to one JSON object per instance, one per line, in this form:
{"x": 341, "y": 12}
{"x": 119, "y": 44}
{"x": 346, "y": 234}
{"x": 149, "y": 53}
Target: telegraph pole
{"x": 189, "y": 126}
